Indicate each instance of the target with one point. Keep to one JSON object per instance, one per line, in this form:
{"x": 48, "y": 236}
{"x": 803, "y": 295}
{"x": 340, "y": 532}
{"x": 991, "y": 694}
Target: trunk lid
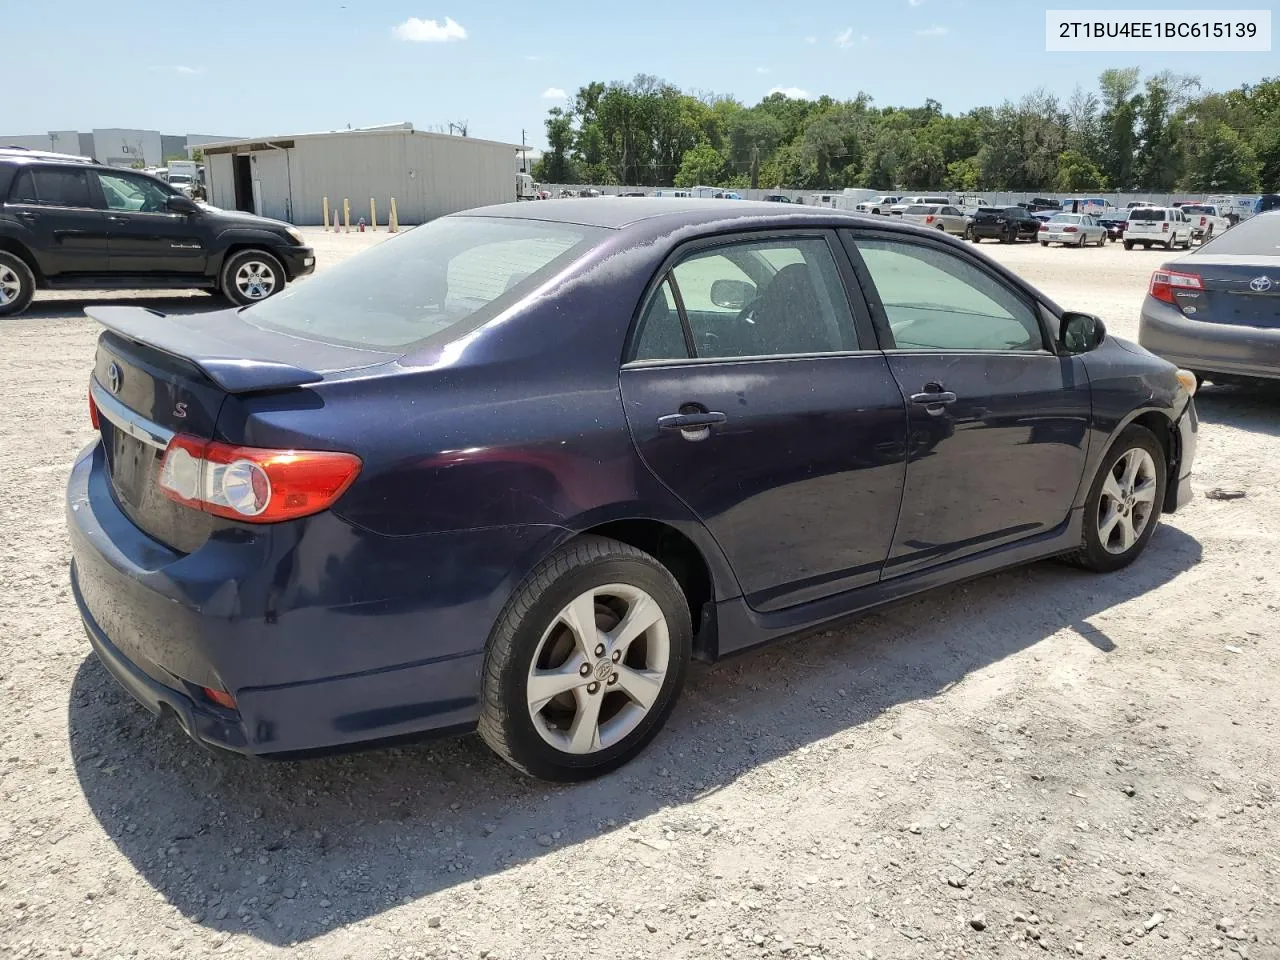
{"x": 1244, "y": 291}
{"x": 155, "y": 376}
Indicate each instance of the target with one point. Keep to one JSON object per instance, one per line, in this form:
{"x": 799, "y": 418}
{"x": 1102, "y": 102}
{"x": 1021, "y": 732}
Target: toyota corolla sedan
{"x": 513, "y": 469}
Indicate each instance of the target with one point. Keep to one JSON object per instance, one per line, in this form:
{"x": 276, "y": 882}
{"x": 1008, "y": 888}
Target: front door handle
{"x": 28, "y": 217}
{"x": 934, "y": 396}
{"x": 692, "y": 425}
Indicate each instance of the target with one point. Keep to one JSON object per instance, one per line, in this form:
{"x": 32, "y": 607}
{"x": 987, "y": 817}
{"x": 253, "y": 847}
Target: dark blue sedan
{"x": 511, "y": 470}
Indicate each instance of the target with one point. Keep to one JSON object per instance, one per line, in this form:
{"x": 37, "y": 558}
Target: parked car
{"x": 1089, "y": 205}
{"x": 1072, "y": 230}
{"x": 1157, "y": 226}
{"x": 422, "y": 493}
{"x": 1038, "y": 204}
{"x": 1266, "y": 203}
{"x": 1206, "y": 220}
{"x": 877, "y": 205}
{"x": 71, "y": 224}
{"x": 777, "y": 198}
{"x": 938, "y": 217}
{"x": 1006, "y": 224}
{"x": 969, "y": 203}
{"x": 900, "y": 207}
{"x": 1134, "y": 204}
{"x": 1114, "y": 222}
{"x": 1217, "y": 310}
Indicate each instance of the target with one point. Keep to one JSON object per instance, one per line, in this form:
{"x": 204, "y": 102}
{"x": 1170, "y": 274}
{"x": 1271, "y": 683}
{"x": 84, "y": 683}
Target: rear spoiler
{"x": 226, "y": 366}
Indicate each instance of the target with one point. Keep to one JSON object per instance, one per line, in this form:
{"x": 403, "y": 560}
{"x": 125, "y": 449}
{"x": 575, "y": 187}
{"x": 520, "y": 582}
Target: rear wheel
{"x": 1044, "y": 243}
{"x": 586, "y": 661}
{"x": 249, "y": 276}
{"x": 1128, "y": 244}
{"x": 17, "y": 284}
{"x": 1124, "y": 502}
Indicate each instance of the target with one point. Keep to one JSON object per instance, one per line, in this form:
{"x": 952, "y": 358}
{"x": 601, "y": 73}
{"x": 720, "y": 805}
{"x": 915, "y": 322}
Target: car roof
{"x": 24, "y": 155}
{"x": 615, "y": 212}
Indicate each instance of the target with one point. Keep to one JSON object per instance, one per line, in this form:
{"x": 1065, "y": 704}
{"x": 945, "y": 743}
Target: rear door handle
{"x": 117, "y": 218}
{"x": 931, "y": 397}
{"x": 690, "y": 421}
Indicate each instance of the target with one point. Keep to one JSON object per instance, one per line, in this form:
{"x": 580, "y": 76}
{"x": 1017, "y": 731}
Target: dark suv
{"x": 70, "y": 223}
{"x": 1005, "y": 224}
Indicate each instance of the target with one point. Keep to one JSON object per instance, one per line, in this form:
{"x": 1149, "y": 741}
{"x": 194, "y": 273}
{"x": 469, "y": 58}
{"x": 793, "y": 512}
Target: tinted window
{"x": 1147, "y": 213}
{"x": 935, "y": 199}
{"x": 919, "y": 209}
{"x": 133, "y": 194}
{"x": 935, "y": 300}
{"x": 990, "y": 211}
{"x": 661, "y": 334}
{"x": 1066, "y": 217}
{"x": 52, "y": 186}
{"x": 797, "y": 308}
{"x": 1199, "y": 211}
{"x": 951, "y": 211}
{"x": 1259, "y": 236}
{"x": 448, "y": 275}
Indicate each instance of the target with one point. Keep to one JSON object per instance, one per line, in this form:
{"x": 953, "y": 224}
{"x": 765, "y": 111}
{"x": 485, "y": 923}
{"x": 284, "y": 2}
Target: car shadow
{"x": 62, "y": 308}
{"x": 287, "y": 851}
{"x": 1247, "y": 406}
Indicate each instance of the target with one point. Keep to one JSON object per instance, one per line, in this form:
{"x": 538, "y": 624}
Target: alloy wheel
{"x": 598, "y": 669}
{"x": 10, "y": 285}
{"x": 255, "y": 280}
{"x": 1128, "y": 500}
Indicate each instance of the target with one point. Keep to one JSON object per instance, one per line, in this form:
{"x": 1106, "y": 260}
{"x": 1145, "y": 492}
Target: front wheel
{"x": 1124, "y": 502}
{"x": 586, "y": 661}
{"x": 250, "y": 276}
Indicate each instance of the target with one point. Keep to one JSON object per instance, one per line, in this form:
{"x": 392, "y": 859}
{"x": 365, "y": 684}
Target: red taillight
{"x": 253, "y": 484}
{"x": 1070, "y": 230}
{"x": 220, "y": 697}
{"x": 93, "y": 410}
{"x": 1164, "y": 227}
{"x": 1044, "y": 226}
{"x": 1165, "y": 282}
{"x": 1203, "y": 221}
{"x": 929, "y": 218}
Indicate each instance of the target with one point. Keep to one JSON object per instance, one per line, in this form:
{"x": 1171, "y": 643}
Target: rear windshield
{"x": 1147, "y": 213}
{"x": 921, "y": 208}
{"x": 935, "y": 200}
{"x": 1195, "y": 208}
{"x": 1066, "y": 218}
{"x": 1259, "y": 236}
{"x": 448, "y": 275}
{"x": 989, "y": 211}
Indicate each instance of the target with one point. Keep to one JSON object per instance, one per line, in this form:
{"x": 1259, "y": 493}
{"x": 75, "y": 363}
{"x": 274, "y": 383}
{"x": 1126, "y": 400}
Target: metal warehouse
{"x": 428, "y": 174}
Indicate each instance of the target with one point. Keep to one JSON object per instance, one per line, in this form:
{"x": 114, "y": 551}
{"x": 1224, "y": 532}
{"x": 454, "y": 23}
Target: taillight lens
{"x": 1044, "y": 226}
{"x": 1165, "y": 282}
{"x": 1203, "y": 221}
{"x": 1070, "y": 230}
{"x": 929, "y": 218}
{"x": 93, "y": 411}
{"x": 251, "y": 483}
{"x": 1164, "y": 227}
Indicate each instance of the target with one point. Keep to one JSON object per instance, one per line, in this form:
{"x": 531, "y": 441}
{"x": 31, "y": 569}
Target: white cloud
{"x": 844, "y": 38}
{"x": 810, "y": 39}
{"x": 554, "y": 93}
{"x": 763, "y": 70}
{"x": 178, "y": 68}
{"x": 532, "y": 57}
{"x": 428, "y": 31}
{"x": 914, "y": 3}
{"x": 791, "y": 93}
{"x": 932, "y": 32}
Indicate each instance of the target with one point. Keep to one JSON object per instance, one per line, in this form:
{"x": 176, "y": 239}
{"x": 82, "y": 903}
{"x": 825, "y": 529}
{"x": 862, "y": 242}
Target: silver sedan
{"x": 1072, "y": 230}
{"x": 938, "y": 217}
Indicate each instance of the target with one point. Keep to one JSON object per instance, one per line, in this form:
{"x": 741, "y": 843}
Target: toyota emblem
{"x": 114, "y": 376}
{"x": 1260, "y": 284}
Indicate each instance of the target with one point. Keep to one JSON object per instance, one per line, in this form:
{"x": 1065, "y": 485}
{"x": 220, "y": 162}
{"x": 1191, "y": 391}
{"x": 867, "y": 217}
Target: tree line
{"x": 1160, "y": 133}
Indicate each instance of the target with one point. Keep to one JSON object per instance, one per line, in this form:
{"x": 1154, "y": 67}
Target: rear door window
{"x": 52, "y": 187}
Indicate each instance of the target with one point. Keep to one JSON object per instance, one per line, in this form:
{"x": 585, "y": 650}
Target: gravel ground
{"x": 1038, "y": 760}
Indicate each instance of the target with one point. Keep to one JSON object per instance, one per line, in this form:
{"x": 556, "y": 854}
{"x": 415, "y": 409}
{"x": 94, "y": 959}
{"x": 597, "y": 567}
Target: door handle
{"x": 28, "y": 216}
{"x": 931, "y": 397}
{"x": 117, "y": 218}
{"x": 690, "y": 421}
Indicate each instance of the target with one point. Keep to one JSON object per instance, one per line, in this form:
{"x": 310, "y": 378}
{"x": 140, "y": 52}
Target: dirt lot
{"x": 1076, "y": 764}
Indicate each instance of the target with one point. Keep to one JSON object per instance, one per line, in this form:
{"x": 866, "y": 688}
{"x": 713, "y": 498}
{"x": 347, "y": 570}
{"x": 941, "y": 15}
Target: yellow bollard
{"x": 346, "y": 213}
{"x": 393, "y": 224}
{"x": 326, "y": 213}
{"x": 373, "y": 215}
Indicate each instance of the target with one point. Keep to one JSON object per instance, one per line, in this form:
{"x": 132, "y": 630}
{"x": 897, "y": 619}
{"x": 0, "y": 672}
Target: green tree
{"x": 1076, "y": 172}
{"x": 555, "y": 163}
{"x": 1219, "y": 160}
{"x": 701, "y": 165}
{"x": 964, "y": 176}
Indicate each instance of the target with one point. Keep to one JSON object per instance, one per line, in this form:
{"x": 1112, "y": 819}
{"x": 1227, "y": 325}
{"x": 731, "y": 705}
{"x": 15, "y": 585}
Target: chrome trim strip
{"x": 122, "y": 418}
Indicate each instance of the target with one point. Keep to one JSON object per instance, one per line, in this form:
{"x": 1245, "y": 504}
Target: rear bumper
{"x": 325, "y": 635}
{"x": 989, "y": 231}
{"x": 1208, "y": 347}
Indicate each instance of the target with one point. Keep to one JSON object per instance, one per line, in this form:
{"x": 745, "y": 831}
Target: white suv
{"x": 1165, "y": 227}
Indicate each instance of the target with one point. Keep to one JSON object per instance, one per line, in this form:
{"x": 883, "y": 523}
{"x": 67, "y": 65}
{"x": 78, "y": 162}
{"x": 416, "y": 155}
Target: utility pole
{"x": 755, "y": 167}
{"x": 524, "y": 153}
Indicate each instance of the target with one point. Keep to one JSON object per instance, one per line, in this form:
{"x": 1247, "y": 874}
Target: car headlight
{"x": 1188, "y": 381}
{"x": 297, "y": 235}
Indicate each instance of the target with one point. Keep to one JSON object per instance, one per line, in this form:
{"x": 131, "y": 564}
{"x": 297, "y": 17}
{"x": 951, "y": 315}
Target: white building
{"x": 289, "y": 177}
{"x": 114, "y": 146}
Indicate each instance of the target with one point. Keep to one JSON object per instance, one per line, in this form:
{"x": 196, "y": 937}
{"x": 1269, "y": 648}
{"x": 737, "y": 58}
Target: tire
{"x": 1103, "y": 556}
{"x": 17, "y": 284}
{"x": 250, "y": 276}
{"x": 1168, "y": 244}
{"x": 1208, "y": 235}
{"x": 1128, "y": 244}
{"x": 942, "y": 226}
{"x": 1080, "y": 242}
{"x": 1102, "y": 240}
{"x": 1044, "y": 243}
{"x": 974, "y": 237}
{"x": 534, "y": 630}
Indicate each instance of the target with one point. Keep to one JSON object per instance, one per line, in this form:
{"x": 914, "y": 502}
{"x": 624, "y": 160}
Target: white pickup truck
{"x": 1206, "y": 220}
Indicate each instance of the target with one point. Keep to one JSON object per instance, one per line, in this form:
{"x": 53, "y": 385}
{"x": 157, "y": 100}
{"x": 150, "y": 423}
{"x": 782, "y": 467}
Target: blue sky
{"x": 285, "y": 66}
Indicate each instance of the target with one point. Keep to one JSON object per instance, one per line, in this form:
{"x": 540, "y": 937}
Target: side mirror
{"x": 177, "y": 203}
{"x": 1081, "y": 332}
{"x": 732, "y": 294}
